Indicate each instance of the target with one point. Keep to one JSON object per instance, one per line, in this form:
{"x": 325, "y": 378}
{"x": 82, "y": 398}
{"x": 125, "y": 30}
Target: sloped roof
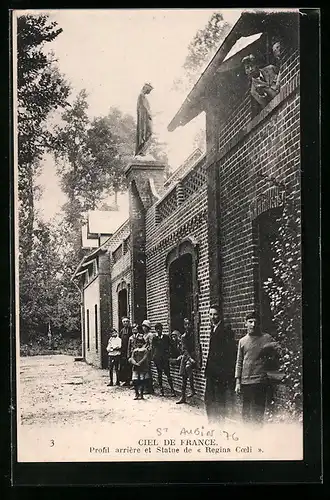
{"x": 88, "y": 259}
{"x": 105, "y": 222}
{"x": 249, "y": 23}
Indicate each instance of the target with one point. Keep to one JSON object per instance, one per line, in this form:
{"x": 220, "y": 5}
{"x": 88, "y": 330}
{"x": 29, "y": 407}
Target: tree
{"x": 72, "y": 159}
{"x": 47, "y": 294}
{"x": 40, "y": 90}
{"x": 111, "y": 141}
{"x": 92, "y": 156}
{"x": 201, "y": 48}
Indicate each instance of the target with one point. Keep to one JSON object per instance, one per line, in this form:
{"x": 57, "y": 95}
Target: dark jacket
{"x": 160, "y": 348}
{"x": 222, "y": 354}
{"x": 125, "y": 334}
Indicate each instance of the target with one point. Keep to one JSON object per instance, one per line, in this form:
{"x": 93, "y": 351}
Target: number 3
{"x": 52, "y": 442}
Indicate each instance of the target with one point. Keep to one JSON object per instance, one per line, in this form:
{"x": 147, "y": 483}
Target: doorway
{"x": 181, "y": 291}
{"x": 122, "y": 305}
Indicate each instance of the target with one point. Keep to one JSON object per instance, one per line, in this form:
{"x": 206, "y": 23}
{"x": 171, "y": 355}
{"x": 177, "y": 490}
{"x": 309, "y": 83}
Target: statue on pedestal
{"x": 144, "y": 127}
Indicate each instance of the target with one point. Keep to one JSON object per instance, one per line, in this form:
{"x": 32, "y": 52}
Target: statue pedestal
{"x": 148, "y": 175}
{"x": 144, "y": 158}
{"x": 146, "y": 179}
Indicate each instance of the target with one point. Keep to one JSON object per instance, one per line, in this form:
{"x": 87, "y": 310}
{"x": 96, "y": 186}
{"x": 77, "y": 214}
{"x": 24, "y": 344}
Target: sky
{"x": 112, "y": 53}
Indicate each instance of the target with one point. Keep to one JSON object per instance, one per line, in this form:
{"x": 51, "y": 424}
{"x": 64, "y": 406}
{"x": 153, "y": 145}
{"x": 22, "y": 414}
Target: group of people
{"x": 246, "y": 369}
{"x": 133, "y": 351}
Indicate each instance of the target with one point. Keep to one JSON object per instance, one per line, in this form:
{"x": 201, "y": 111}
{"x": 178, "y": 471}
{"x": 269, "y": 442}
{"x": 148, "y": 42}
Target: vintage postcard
{"x": 158, "y": 246}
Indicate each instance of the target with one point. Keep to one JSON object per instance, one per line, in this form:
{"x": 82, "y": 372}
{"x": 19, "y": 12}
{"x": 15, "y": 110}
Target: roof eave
{"x": 247, "y": 24}
{"x": 187, "y": 111}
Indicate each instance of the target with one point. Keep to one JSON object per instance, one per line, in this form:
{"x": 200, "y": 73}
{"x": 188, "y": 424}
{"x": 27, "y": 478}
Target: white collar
{"x": 216, "y": 326}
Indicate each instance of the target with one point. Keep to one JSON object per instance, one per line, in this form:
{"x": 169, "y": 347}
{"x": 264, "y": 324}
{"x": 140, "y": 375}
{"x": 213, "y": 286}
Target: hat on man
{"x": 146, "y": 323}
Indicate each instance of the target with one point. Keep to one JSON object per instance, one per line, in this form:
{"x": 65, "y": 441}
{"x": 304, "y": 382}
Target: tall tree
{"x": 92, "y": 156}
{"x": 201, "y": 48}
{"x": 205, "y": 43}
{"x": 46, "y": 293}
{"x": 111, "y": 140}
{"x": 40, "y": 90}
{"x": 72, "y": 159}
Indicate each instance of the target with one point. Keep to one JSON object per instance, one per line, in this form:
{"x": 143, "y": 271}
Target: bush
{"x": 40, "y": 347}
{"x": 284, "y": 292}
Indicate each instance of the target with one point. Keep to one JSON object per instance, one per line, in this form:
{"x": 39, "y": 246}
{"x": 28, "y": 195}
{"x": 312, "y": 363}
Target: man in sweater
{"x": 250, "y": 371}
{"x": 219, "y": 370}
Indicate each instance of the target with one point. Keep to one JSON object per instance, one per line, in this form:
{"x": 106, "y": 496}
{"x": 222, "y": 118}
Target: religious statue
{"x": 265, "y": 82}
{"x": 144, "y": 121}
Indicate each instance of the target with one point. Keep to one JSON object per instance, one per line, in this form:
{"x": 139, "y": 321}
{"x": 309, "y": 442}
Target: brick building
{"x": 204, "y": 234}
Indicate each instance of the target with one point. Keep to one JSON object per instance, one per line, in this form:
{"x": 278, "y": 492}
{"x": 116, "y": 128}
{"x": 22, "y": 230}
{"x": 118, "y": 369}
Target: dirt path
{"x": 67, "y": 413}
{"x": 58, "y": 390}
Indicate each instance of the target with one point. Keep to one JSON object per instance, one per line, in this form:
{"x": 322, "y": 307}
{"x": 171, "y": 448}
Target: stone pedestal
{"x": 145, "y": 183}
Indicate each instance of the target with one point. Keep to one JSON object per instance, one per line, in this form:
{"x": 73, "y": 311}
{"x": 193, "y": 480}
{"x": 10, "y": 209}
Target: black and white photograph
{"x": 158, "y": 242}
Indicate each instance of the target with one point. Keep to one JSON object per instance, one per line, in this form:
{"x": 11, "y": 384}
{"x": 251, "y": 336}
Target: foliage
{"x": 92, "y": 156}
{"x": 284, "y": 291}
{"x": 205, "y": 42}
{"x": 40, "y": 90}
{"x": 61, "y": 345}
{"x": 202, "y": 47}
{"x": 46, "y": 293}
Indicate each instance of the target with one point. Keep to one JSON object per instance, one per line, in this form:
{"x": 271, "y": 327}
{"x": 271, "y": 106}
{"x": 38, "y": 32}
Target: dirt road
{"x": 67, "y": 413}
{"x": 58, "y": 390}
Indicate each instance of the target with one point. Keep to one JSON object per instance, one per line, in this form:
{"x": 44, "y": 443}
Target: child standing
{"x": 160, "y": 355}
{"x": 140, "y": 362}
{"x": 113, "y": 348}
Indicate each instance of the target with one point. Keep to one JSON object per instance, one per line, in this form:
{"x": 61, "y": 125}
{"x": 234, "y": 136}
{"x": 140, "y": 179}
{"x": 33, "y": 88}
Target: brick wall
{"x": 118, "y": 237}
{"x": 189, "y": 220}
{"x": 217, "y": 214}
{"x": 120, "y": 270}
{"x": 268, "y": 146}
{"x": 241, "y": 112}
